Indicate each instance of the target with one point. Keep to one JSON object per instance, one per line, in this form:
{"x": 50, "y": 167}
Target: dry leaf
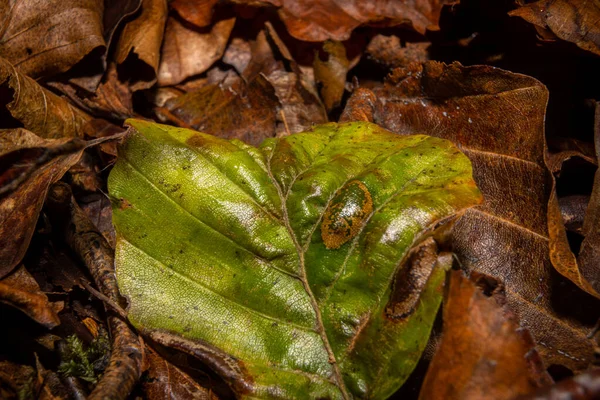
{"x": 245, "y": 111}
{"x": 575, "y": 21}
{"x": 40, "y": 39}
{"x": 388, "y": 51}
{"x": 331, "y": 74}
{"x": 138, "y": 49}
{"x": 166, "y": 381}
{"x": 319, "y": 20}
{"x": 483, "y": 353}
{"x": 497, "y": 119}
{"x": 197, "y": 12}
{"x": 188, "y": 51}
{"x": 20, "y": 290}
{"x": 584, "y": 268}
{"x": 38, "y": 109}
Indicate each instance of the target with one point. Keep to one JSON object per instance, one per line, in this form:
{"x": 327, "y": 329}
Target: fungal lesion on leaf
{"x": 346, "y": 214}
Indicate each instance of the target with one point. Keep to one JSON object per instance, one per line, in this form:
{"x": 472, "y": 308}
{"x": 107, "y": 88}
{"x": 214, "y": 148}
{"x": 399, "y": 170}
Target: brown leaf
{"x": 584, "y": 268}
{"x": 331, "y": 74}
{"x": 40, "y": 38}
{"x": 21, "y": 291}
{"x": 575, "y": 21}
{"x": 497, "y": 119}
{"x": 166, "y": 381}
{"x": 38, "y": 109}
{"x": 28, "y": 165}
{"x": 585, "y": 386}
{"x": 188, "y": 51}
{"x": 197, "y": 12}
{"x": 484, "y": 353}
{"x": 319, "y": 20}
{"x": 88, "y": 73}
{"x": 138, "y": 49}
{"x": 243, "y": 110}
{"x": 388, "y": 51}
{"x": 112, "y": 98}
{"x": 16, "y": 380}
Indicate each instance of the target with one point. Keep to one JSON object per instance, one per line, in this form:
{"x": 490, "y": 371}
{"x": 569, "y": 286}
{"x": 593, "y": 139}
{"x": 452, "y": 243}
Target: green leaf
{"x": 276, "y": 264}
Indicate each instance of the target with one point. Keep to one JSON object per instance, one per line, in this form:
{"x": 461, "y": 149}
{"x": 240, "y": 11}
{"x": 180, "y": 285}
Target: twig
{"x": 109, "y": 302}
{"x": 85, "y": 240}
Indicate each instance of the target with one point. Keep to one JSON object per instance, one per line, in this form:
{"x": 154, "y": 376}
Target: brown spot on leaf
{"x": 346, "y": 214}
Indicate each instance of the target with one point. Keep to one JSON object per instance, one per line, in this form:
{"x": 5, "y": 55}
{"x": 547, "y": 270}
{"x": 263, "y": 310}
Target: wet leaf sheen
{"x": 276, "y": 264}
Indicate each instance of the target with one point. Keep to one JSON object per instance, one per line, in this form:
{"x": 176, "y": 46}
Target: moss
{"x": 88, "y": 363}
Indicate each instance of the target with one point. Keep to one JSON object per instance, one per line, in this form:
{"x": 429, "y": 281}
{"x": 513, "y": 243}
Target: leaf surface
{"x": 278, "y": 262}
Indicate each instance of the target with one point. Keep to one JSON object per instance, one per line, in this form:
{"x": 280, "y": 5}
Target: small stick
{"x": 125, "y": 366}
{"x": 111, "y": 303}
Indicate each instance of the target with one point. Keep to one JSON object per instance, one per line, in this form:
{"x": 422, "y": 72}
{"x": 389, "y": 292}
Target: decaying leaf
{"x": 197, "y": 12}
{"x": 331, "y": 74}
{"x": 583, "y": 268}
{"x": 274, "y": 265}
{"x": 36, "y": 108}
{"x": 138, "y": 49}
{"x": 188, "y": 51}
{"x": 319, "y": 20}
{"x": 166, "y": 381}
{"x": 484, "y": 353}
{"x": 575, "y": 21}
{"x": 28, "y": 165}
{"x": 20, "y": 290}
{"x": 388, "y": 51}
{"x": 40, "y": 39}
{"x": 245, "y": 111}
{"x": 497, "y": 119}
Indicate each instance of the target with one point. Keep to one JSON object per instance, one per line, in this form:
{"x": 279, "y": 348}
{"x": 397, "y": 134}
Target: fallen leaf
{"x": 497, "y": 119}
{"x": 264, "y": 239}
{"x": 575, "y": 21}
{"x": 28, "y": 165}
{"x": 318, "y": 21}
{"x": 111, "y": 99}
{"x": 166, "y": 381}
{"x": 583, "y": 269}
{"x": 585, "y": 386}
{"x": 138, "y": 49}
{"x": 331, "y": 74}
{"x": 197, "y": 12}
{"x": 389, "y": 51}
{"x": 16, "y": 380}
{"x": 483, "y": 353}
{"x": 40, "y": 39}
{"x": 188, "y": 51}
{"x": 246, "y": 111}
{"x": 36, "y": 108}
{"x": 21, "y": 291}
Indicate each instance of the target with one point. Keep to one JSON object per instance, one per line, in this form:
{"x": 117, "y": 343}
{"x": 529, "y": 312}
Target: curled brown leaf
{"x": 483, "y": 353}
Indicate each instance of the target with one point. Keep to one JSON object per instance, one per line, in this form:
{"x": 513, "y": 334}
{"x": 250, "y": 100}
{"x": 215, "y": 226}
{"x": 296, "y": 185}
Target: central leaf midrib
{"x": 299, "y": 250}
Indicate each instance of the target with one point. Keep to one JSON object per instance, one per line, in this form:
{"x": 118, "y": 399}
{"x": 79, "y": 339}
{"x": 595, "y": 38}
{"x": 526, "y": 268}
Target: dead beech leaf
{"x": 584, "y": 268}
{"x": 388, "y": 51}
{"x": 197, "y": 12}
{"x": 331, "y": 74}
{"x": 38, "y": 109}
{"x": 575, "y": 21}
{"x": 111, "y": 99}
{"x": 138, "y": 49}
{"x": 166, "y": 381}
{"x": 319, "y": 20}
{"x": 483, "y": 353}
{"x": 28, "y": 165}
{"x": 188, "y": 51}
{"x": 245, "y": 111}
{"x": 497, "y": 119}
{"x": 40, "y": 39}
{"x": 21, "y": 291}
